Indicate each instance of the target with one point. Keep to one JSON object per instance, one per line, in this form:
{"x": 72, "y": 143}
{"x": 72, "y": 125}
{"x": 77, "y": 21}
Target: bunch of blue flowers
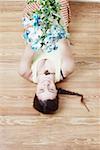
{"x": 50, "y": 10}
{"x": 45, "y": 28}
{"x": 55, "y": 33}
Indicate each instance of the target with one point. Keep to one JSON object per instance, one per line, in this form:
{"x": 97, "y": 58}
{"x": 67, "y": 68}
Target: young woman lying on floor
{"x": 47, "y": 59}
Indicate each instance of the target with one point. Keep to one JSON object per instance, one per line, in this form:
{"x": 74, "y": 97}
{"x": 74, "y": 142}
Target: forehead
{"x": 47, "y": 95}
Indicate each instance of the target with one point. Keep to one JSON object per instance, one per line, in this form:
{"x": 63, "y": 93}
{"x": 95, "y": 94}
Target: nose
{"x": 45, "y": 86}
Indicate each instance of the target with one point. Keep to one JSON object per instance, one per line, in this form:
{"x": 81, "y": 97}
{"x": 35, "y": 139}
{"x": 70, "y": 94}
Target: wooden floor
{"x": 72, "y": 127}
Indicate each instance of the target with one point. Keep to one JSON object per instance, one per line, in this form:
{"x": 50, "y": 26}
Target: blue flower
{"x": 25, "y": 35}
{"x": 36, "y": 45}
{"x": 36, "y": 20}
{"x": 26, "y": 21}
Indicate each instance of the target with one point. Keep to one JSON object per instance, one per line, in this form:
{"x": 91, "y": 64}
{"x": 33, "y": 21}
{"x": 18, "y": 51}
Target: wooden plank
{"x": 72, "y": 127}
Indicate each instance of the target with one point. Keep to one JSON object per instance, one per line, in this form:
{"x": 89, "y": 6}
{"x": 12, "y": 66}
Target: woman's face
{"x": 46, "y": 88}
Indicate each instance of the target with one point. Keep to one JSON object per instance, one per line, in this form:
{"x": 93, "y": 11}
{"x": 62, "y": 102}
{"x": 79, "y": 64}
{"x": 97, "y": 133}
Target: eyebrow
{"x": 52, "y": 91}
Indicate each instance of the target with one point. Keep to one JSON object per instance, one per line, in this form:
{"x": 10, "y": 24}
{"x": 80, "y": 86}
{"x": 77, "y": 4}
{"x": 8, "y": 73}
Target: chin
{"x": 46, "y": 77}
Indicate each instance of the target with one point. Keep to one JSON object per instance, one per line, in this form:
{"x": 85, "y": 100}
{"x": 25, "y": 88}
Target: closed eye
{"x": 41, "y": 90}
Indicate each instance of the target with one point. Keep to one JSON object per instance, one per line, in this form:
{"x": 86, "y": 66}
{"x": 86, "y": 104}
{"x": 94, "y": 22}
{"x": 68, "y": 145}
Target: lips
{"x": 47, "y": 72}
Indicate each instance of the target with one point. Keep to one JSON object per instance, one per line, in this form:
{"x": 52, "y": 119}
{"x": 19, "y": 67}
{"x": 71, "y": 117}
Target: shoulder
{"x": 67, "y": 67}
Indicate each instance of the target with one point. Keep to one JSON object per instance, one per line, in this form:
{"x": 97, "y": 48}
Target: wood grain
{"x": 72, "y": 127}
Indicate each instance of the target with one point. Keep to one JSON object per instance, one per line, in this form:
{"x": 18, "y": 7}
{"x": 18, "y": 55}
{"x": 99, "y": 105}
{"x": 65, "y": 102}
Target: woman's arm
{"x": 67, "y": 64}
{"x": 25, "y": 64}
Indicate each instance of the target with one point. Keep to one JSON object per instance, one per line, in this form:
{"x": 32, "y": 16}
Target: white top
{"x": 54, "y": 57}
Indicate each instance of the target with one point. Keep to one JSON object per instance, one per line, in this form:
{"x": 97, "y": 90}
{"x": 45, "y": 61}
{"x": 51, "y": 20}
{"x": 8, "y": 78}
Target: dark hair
{"x": 50, "y": 106}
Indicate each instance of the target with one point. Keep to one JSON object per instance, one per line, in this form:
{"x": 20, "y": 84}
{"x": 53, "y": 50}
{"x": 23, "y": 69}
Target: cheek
{"x": 53, "y": 86}
{"x": 38, "y": 89}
